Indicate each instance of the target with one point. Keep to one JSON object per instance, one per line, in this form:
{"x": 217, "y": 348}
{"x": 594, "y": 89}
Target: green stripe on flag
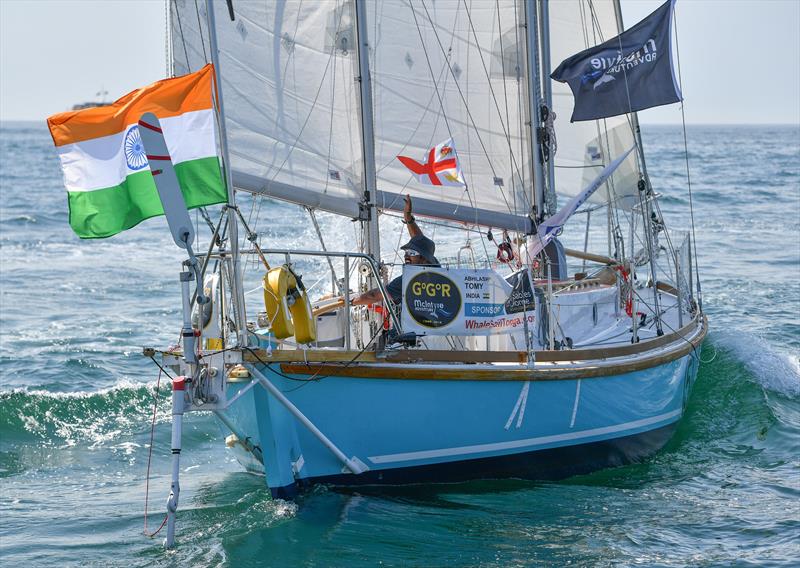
{"x": 106, "y": 212}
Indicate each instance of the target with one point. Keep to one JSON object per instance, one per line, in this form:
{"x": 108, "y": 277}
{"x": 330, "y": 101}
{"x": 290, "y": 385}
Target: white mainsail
{"x": 585, "y": 148}
{"x": 291, "y": 102}
{"x": 445, "y": 69}
{"x": 288, "y": 71}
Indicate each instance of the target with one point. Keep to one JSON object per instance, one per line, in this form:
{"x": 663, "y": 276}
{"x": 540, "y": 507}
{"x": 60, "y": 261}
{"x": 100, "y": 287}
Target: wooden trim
{"x": 327, "y": 306}
{"x": 668, "y": 288}
{"x": 591, "y": 256}
{"x": 589, "y": 370}
{"x": 448, "y": 356}
{"x": 310, "y": 355}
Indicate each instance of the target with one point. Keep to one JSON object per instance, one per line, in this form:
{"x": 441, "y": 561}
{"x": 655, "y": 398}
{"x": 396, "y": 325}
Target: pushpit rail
{"x": 347, "y": 256}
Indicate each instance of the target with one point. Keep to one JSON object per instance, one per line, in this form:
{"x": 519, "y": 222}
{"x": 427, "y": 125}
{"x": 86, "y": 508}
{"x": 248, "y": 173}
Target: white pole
{"x": 233, "y": 228}
{"x": 178, "y": 404}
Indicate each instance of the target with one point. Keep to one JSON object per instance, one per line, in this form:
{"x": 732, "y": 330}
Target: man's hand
{"x": 408, "y": 219}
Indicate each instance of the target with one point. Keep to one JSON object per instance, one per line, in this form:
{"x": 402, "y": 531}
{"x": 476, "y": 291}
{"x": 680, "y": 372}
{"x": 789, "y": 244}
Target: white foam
{"x": 774, "y": 370}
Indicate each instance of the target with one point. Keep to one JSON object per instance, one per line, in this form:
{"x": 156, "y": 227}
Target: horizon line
{"x": 43, "y": 122}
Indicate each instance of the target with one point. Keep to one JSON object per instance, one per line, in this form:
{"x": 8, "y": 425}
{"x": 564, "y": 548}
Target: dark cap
{"x": 424, "y": 246}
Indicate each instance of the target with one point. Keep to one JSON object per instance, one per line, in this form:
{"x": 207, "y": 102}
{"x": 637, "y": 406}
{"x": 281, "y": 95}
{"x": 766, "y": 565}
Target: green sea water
{"x": 76, "y": 399}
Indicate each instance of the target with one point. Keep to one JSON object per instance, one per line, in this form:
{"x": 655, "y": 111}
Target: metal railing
{"x": 346, "y": 256}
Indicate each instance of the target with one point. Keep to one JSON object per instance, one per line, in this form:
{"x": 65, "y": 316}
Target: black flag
{"x": 630, "y": 72}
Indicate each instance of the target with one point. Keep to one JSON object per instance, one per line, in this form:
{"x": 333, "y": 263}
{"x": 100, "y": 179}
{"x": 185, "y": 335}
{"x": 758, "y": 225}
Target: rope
{"x": 149, "y": 459}
{"x": 200, "y": 31}
{"x": 180, "y": 31}
{"x": 688, "y": 176}
{"x": 315, "y": 376}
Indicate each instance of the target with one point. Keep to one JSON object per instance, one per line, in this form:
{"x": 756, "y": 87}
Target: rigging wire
{"x": 316, "y": 376}
{"x": 183, "y": 38}
{"x": 443, "y": 113}
{"x": 256, "y": 203}
{"x": 200, "y": 31}
{"x": 149, "y": 459}
{"x": 515, "y": 167}
{"x": 688, "y": 176}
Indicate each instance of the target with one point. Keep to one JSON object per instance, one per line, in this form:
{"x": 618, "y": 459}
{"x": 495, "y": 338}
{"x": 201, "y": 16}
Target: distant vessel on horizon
{"x": 90, "y": 104}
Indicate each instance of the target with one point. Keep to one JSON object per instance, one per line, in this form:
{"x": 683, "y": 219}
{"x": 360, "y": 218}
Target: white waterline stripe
{"x": 514, "y": 444}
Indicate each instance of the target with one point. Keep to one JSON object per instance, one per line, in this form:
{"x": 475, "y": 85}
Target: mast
{"x": 368, "y": 214}
{"x": 534, "y": 106}
{"x": 544, "y": 32}
{"x": 233, "y": 232}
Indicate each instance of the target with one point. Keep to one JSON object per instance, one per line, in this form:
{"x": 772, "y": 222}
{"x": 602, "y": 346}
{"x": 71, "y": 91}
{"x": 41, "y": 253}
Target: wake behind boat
{"x": 503, "y": 366}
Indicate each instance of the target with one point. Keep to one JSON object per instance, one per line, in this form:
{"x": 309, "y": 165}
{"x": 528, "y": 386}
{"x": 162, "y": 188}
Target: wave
{"x": 774, "y": 370}
{"x": 72, "y": 418}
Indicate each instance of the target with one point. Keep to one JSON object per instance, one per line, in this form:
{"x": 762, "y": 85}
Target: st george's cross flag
{"x": 440, "y": 168}
{"x": 110, "y": 187}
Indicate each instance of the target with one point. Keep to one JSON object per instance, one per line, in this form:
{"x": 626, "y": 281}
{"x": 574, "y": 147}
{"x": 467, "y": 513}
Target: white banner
{"x": 441, "y": 301}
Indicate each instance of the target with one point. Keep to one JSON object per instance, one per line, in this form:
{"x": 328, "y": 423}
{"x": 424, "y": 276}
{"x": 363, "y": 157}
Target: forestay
{"x": 584, "y": 148}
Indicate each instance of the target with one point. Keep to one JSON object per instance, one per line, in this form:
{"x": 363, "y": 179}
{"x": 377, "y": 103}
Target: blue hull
{"x": 540, "y": 465}
{"x": 428, "y": 431}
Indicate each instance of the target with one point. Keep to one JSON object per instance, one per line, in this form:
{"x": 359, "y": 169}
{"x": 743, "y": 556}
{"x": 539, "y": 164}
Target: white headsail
{"x": 453, "y": 70}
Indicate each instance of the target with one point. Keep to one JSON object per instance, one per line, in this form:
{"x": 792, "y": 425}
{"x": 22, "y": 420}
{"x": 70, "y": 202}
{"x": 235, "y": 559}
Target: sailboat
{"x": 508, "y": 365}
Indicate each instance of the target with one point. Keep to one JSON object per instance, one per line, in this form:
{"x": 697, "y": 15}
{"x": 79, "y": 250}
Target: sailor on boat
{"x": 418, "y": 250}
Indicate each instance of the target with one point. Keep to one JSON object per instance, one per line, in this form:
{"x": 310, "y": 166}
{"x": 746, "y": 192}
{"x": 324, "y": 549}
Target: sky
{"x": 740, "y": 58}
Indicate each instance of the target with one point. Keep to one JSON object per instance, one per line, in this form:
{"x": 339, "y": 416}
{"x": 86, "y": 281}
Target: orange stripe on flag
{"x": 165, "y": 98}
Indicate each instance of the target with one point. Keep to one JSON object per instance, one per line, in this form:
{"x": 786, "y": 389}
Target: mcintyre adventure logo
{"x": 601, "y": 70}
{"x": 432, "y": 299}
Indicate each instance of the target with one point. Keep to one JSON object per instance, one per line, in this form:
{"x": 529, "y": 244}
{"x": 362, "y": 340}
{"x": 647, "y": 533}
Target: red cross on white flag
{"x": 441, "y": 168}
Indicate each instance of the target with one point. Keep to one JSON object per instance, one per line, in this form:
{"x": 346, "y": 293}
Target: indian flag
{"x": 106, "y": 172}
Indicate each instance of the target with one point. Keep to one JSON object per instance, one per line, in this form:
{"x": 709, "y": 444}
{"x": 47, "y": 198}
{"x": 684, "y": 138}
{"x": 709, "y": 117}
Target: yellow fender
{"x": 288, "y": 306}
{"x": 305, "y": 324}
{"x": 277, "y": 283}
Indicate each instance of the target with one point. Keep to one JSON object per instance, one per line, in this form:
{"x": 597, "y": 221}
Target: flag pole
{"x": 233, "y": 232}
